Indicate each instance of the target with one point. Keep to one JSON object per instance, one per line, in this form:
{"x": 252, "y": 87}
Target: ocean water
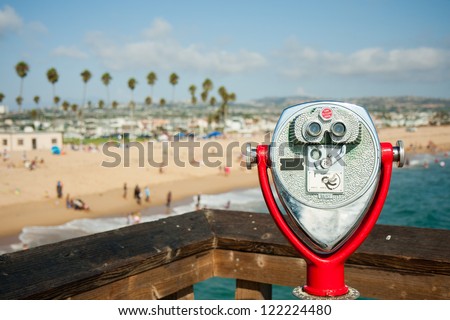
{"x": 419, "y": 196}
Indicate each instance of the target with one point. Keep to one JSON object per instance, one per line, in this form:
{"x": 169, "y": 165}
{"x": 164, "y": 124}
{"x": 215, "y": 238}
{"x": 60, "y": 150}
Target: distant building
{"x": 25, "y": 141}
{"x": 3, "y": 109}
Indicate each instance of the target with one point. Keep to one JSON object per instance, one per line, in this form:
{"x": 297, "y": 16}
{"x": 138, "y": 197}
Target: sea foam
{"x": 34, "y": 236}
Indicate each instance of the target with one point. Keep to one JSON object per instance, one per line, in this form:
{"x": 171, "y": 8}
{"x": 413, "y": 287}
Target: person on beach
{"x": 147, "y": 194}
{"x": 79, "y": 204}
{"x": 169, "y": 202}
{"x": 68, "y": 202}
{"x": 59, "y": 189}
{"x": 134, "y": 218}
{"x": 125, "y": 190}
{"x": 137, "y": 194}
{"x": 197, "y": 205}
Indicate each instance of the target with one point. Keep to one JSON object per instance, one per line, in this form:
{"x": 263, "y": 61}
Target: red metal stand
{"x": 325, "y": 274}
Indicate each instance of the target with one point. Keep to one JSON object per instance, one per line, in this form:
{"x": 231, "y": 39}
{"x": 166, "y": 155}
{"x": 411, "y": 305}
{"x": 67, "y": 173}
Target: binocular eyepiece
{"x": 335, "y": 125}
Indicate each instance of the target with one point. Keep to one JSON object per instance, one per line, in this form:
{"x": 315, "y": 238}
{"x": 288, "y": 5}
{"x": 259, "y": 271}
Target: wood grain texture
{"x": 62, "y": 270}
{"x": 393, "y": 263}
{"x": 170, "y": 281}
{"x": 372, "y": 282}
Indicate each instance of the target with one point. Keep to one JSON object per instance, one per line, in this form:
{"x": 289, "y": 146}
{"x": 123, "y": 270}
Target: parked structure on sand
{"x": 25, "y": 141}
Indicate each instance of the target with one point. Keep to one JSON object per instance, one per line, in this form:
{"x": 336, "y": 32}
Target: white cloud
{"x": 37, "y": 27}
{"x": 159, "y": 48}
{"x": 422, "y": 63}
{"x": 159, "y": 28}
{"x": 9, "y": 20}
{"x": 69, "y": 52}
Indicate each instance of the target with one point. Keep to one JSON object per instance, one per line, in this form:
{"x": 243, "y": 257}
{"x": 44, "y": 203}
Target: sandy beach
{"x": 28, "y": 197}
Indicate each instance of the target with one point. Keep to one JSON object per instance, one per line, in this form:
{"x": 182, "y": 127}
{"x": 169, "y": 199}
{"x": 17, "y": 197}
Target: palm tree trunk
{"x": 132, "y": 105}
{"x": 84, "y": 95}
{"x": 54, "y": 95}
{"x": 107, "y": 96}
{"x": 21, "y": 92}
{"x": 151, "y": 92}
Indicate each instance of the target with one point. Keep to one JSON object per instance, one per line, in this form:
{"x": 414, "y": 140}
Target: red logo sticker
{"x": 326, "y": 113}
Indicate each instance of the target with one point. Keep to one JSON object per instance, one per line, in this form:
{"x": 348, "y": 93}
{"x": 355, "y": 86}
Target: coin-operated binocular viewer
{"x": 332, "y": 177}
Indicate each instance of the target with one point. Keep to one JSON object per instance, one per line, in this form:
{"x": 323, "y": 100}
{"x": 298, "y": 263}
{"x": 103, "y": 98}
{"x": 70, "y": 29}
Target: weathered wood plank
{"x": 380, "y": 283}
{"x": 249, "y": 290}
{"x": 170, "y": 281}
{"x": 257, "y": 267}
{"x": 370, "y": 281}
{"x": 406, "y": 248}
{"x": 248, "y": 231}
{"x": 64, "y": 269}
{"x": 409, "y": 249}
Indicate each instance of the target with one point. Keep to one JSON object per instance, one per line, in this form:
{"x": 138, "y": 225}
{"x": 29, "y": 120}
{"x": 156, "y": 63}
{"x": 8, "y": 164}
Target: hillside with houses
{"x": 152, "y": 121}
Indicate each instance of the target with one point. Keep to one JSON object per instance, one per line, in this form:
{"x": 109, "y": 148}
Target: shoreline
{"x": 111, "y": 204}
{"x": 27, "y": 198}
{"x": 146, "y": 211}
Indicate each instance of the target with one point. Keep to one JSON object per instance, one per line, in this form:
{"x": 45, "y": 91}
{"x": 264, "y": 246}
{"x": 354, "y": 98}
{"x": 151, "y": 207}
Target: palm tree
{"x": 162, "y": 102}
{"x": 22, "y": 69}
{"x": 36, "y": 100}
{"x": 101, "y": 104}
{"x": 212, "y": 101}
{"x": 53, "y": 77}
{"x": 114, "y": 104}
{"x": 226, "y": 97}
{"x": 65, "y": 105}
{"x": 151, "y": 79}
{"x": 173, "y": 79}
{"x": 74, "y": 108}
{"x": 86, "y": 76}
{"x": 132, "y": 85}
{"x": 2, "y": 96}
{"x": 207, "y": 87}
{"x": 204, "y": 96}
{"x": 192, "y": 90}
{"x": 106, "y": 79}
{"x": 34, "y": 114}
{"x": 148, "y": 101}
{"x": 19, "y": 101}
{"x": 56, "y": 100}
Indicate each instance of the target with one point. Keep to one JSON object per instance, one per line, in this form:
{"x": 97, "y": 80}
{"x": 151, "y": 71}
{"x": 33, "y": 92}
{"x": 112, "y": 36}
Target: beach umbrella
{"x": 179, "y": 135}
{"x": 56, "y": 150}
{"x": 214, "y": 134}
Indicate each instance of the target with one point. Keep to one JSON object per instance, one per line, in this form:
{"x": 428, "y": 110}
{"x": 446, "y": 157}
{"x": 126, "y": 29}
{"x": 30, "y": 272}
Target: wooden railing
{"x": 165, "y": 258}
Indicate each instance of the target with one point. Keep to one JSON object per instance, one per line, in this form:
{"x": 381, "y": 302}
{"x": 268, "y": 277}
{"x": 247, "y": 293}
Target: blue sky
{"x": 327, "y": 49}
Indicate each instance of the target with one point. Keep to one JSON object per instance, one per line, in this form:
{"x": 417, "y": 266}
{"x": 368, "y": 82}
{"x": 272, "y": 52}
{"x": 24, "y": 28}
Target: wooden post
{"x": 183, "y": 294}
{"x": 250, "y": 290}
